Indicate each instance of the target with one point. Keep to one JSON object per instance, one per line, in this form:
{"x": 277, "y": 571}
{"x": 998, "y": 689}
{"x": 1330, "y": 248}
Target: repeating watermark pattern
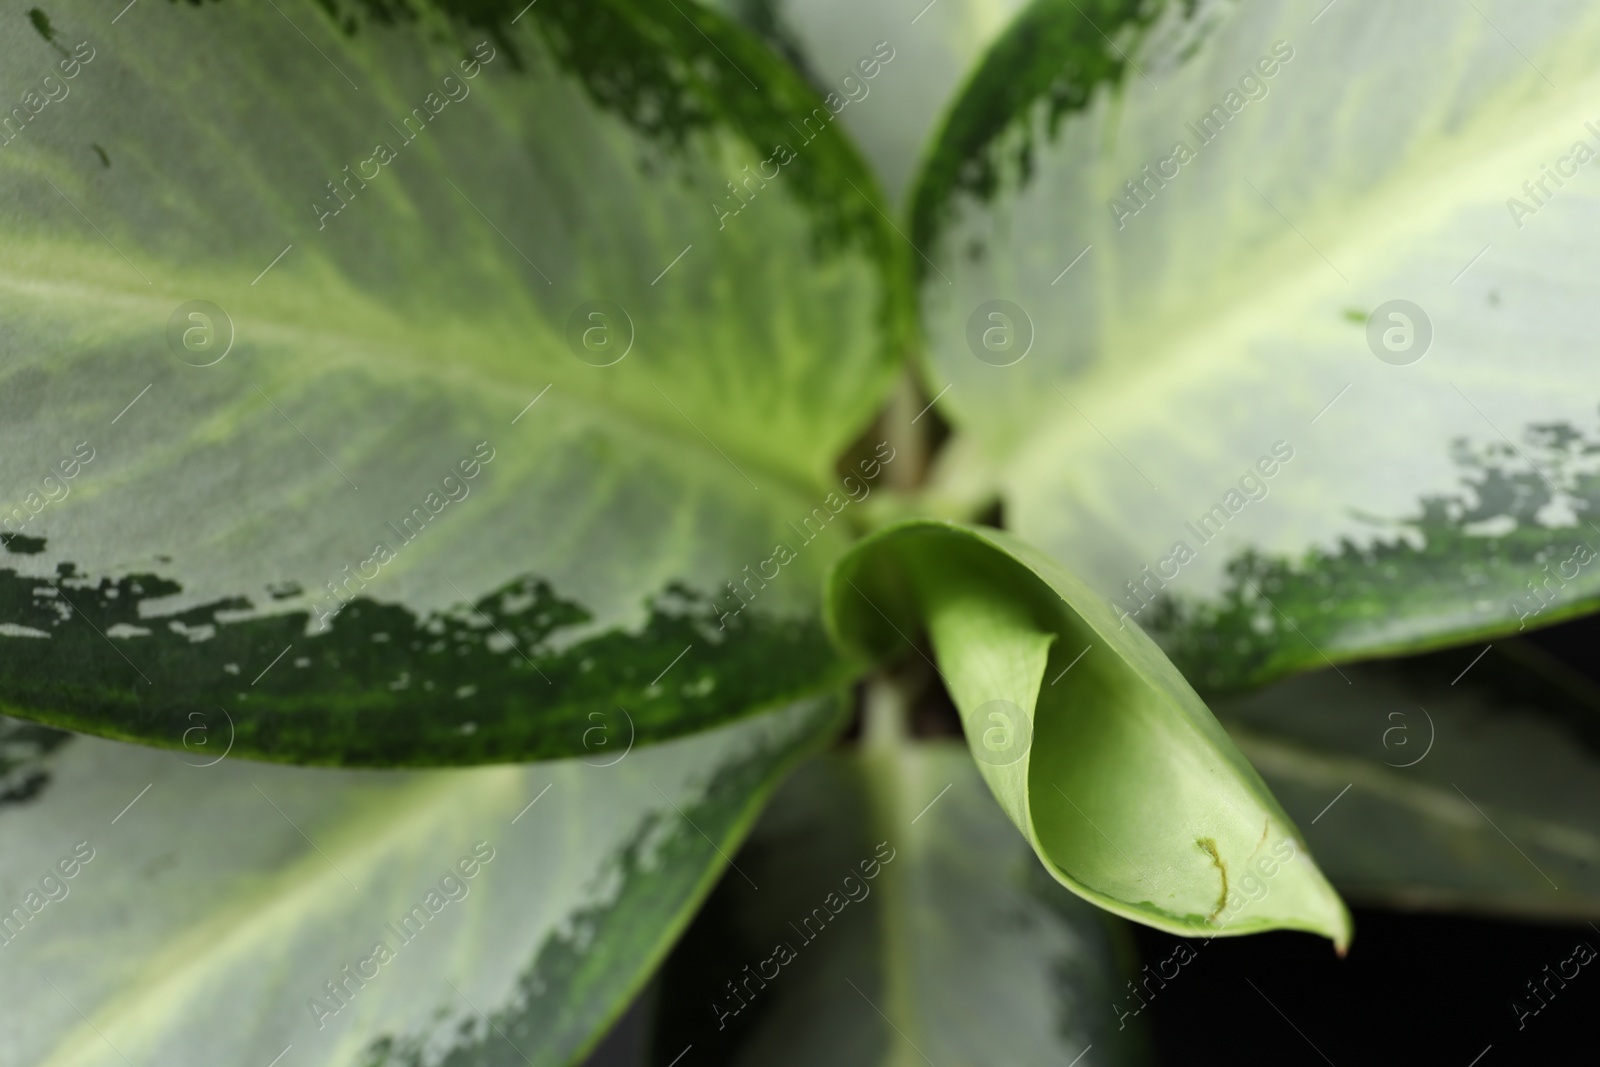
{"x": 999, "y": 732}
{"x": 1253, "y": 486}
{"x": 344, "y": 589}
{"x": 51, "y": 90}
{"x": 600, "y": 332}
{"x": 1578, "y": 155}
{"x": 1399, "y": 332}
{"x": 338, "y": 992}
{"x": 811, "y": 126}
{"x": 1236, "y": 897}
{"x": 1143, "y": 188}
{"x": 855, "y": 889}
{"x": 856, "y": 490}
{"x": 196, "y": 740}
{"x": 1398, "y": 736}
{"x": 999, "y": 333}
{"x": 599, "y": 740}
{"x": 52, "y": 889}
{"x": 200, "y": 333}
{"x": 384, "y": 153}
{"x": 1582, "y": 953}
{"x": 782, "y": 155}
{"x": 53, "y": 488}
{"x": 1553, "y": 584}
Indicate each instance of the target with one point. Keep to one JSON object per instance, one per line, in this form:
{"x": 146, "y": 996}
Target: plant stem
{"x": 886, "y": 711}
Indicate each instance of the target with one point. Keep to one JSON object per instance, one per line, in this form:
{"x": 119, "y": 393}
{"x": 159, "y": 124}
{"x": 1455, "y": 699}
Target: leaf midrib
{"x": 1209, "y": 324}
{"x": 364, "y": 356}
{"x": 190, "y": 955}
{"x": 1424, "y": 798}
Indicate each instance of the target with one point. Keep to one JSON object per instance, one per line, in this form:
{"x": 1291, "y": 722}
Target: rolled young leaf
{"x": 425, "y": 381}
{"x": 923, "y": 931}
{"x": 1112, "y": 767}
{"x": 1273, "y": 333}
{"x": 1437, "y": 786}
{"x": 162, "y": 907}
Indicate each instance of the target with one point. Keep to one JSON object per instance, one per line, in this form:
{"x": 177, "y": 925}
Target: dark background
{"x": 1415, "y": 989}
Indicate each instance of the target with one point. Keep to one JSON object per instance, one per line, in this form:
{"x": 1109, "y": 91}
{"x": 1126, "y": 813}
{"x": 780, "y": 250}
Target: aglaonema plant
{"x": 460, "y": 456}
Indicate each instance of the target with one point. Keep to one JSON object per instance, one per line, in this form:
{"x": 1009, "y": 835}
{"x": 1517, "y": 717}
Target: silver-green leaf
{"x": 159, "y": 910}
{"x": 1273, "y": 330}
{"x": 418, "y": 383}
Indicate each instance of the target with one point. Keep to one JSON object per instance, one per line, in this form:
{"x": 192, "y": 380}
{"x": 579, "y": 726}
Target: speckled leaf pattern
{"x": 892, "y": 67}
{"x": 384, "y": 381}
{"x": 226, "y": 913}
{"x": 1480, "y": 794}
{"x": 910, "y": 897}
{"x": 1100, "y": 752}
{"x": 1198, "y": 389}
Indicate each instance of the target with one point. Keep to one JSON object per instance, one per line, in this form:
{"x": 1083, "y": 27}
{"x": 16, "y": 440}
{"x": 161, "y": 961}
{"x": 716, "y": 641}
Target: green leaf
{"x": 908, "y": 63}
{"x": 1478, "y": 795}
{"x": 1099, "y": 751}
{"x": 1187, "y": 393}
{"x": 147, "y": 949}
{"x": 959, "y": 949}
{"x": 406, "y": 518}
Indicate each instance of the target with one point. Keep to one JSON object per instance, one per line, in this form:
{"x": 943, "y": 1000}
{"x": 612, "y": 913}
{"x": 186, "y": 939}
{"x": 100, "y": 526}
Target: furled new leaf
{"x": 898, "y": 920}
{"x": 1098, "y": 750}
{"x": 1272, "y": 329}
{"x": 409, "y": 381}
{"x": 160, "y": 910}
